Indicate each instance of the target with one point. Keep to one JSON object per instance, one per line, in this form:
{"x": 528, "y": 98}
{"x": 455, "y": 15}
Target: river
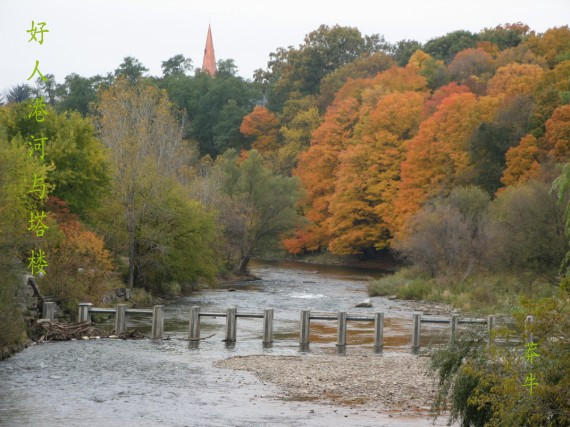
{"x": 145, "y": 383}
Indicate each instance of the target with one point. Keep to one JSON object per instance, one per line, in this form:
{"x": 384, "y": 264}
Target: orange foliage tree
{"x": 523, "y": 161}
{"x": 515, "y": 79}
{"x": 386, "y": 146}
{"x": 80, "y": 266}
{"x": 368, "y": 175}
{"x": 440, "y": 94}
{"x": 437, "y": 157}
{"x": 557, "y": 137}
{"x": 262, "y": 127}
{"x": 319, "y": 167}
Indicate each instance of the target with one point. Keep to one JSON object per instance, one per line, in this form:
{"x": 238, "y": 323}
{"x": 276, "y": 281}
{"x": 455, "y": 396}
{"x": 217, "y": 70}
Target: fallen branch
{"x": 200, "y": 339}
{"x": 49, "y": 331}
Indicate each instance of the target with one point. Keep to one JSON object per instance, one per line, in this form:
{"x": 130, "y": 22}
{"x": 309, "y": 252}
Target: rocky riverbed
{"x": 396, "y": 384}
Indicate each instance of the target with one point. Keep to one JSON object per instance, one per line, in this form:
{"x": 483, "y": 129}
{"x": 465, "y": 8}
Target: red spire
{"x": 209, "y": 63}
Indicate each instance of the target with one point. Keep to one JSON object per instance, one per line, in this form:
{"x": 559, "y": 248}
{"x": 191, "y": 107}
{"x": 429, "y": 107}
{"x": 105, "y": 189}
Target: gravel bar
{"x": 396, "y": 384}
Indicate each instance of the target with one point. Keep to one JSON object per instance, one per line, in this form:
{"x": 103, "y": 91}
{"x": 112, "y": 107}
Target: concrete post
{"x": 454, "y": 322}
{"x": 305, "y": 326}
{"x": 157, "y": 322}
{"x": 231, "y": 325}
{"x": 378, "y": 329}
{"x": 490, "y": 327}
{"x": 84, "y": 315}
{"x": 267, "y": 326}
{"x": 341, "y": 329}
{"x": 416, "y": 331}
{"x": 194, "y": 327}
{"x": 48, "y": 311}
{"x": 121, "y": 319}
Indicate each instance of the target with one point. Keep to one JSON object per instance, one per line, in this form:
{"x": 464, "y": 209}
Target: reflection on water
{"x": 172, "y": 382}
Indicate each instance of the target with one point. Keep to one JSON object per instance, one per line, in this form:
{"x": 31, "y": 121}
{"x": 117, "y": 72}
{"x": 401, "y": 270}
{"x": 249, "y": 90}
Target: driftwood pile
{"x": 51, "y": 331}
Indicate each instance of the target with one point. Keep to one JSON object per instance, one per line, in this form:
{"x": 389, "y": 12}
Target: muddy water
{"x": 114, "y": 382}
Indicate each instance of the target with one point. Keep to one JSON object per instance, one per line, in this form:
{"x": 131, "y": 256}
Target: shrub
{"x": 169, "y": 289}
{"x": 415, "y": 290}
{"x": 387, "y": 285}
{"x": 444, "y": 238}
{"x": 140, "y": 297}
{"x": 485, "y": 385}
{"x": 484, "y": 295}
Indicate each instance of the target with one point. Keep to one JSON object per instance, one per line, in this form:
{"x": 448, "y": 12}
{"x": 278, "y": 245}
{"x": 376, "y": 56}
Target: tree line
{"x": 344, "y": 144}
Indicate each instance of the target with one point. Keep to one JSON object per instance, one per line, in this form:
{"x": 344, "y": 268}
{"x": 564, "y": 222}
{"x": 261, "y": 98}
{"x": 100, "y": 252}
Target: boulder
{"x": 364, "y": 304}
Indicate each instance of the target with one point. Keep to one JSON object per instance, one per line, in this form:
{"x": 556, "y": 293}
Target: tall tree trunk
{"x": 243, "y": 264}
{"x": 132, "y": 257}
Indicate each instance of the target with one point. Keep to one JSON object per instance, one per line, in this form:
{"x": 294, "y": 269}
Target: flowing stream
{"x": 146, "y": 383}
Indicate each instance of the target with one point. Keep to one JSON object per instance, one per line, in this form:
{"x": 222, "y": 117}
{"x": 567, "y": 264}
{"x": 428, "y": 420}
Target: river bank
{"x": 395, "y": 385}
{"x": 384, "y": 262}
{"x": 9, "y": 350}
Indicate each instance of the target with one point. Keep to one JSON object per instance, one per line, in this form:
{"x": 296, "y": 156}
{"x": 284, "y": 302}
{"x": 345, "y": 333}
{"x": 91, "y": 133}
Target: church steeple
{"x": 209, "y": 63}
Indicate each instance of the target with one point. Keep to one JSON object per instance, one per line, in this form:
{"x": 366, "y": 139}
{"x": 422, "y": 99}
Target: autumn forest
{"x": 447, "y": 158}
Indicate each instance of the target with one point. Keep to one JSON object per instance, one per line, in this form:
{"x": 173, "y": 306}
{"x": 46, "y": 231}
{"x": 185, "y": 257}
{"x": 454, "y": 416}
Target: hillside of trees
{"x": 442, "y": 153}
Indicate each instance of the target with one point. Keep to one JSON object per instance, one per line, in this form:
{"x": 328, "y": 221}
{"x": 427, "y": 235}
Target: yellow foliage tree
{"x": 515, "y": 79}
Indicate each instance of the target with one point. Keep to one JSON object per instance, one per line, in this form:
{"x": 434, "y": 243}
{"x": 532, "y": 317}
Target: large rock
{"x": 364, "y": 304}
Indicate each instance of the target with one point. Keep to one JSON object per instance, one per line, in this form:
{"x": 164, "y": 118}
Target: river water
{"x": 172, "y": 382}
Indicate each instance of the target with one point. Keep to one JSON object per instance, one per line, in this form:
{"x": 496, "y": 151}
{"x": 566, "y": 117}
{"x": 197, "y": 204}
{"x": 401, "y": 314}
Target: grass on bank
{"x": 481, "y": 294}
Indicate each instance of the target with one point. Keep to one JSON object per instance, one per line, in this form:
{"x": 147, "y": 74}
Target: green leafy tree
{"x": 490, "y": 142}
{"x": 226, "y": 68}
{"x": 77, "y": 92}
{"x": 562, "y": 188}
{"x": 144, "y": 138}
{"x": 47, "y": 88}
{"x": 80, "y": 170}
{"x": 433, "y": 70}
{"x": 404, "y": 49}
{"x": 131, "y": 68}
{"x": 485, "y": 385}
{"x": 19, "y": 93}
{"x": 226, "y": 133}
{"x": 323, "y": 51}
{"x": 505, "y": 36}
{"x": 446, "y": 47}
{"x": 214, "y": 107}
{"x": 177, "y": 65}
{"x": 16, "y": 170}
{"x": 254, "y": 206}
{"x": 526, "y": 233}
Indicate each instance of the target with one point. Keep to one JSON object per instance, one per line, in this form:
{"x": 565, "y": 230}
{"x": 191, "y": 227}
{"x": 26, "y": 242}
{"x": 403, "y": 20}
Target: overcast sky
{"x": 91, "y": 37}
